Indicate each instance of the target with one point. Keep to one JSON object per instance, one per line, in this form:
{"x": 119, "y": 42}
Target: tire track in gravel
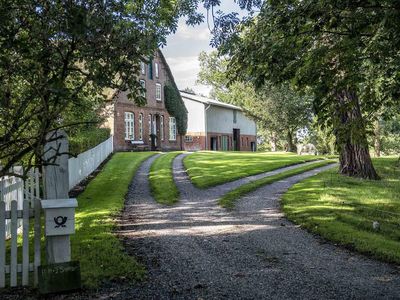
{"x": 197, "y": 250}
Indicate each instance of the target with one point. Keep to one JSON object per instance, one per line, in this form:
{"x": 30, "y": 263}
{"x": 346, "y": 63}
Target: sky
{"x": 184, "y": 47}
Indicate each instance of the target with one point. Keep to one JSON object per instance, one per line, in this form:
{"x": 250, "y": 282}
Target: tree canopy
{"x": 343, "y": 52}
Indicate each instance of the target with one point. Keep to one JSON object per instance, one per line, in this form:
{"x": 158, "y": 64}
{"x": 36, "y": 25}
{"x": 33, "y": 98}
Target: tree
{"x": 277, "y": 108}
{"x": 343, "y": 52}
{"x": 58, "y": 56}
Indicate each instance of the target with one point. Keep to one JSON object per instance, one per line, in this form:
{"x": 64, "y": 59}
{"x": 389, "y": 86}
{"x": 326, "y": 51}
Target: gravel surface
{"x": 197, "y": 250}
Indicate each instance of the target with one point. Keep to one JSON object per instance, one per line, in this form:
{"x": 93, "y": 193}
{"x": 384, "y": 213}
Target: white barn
{"x": 214, "y": 125}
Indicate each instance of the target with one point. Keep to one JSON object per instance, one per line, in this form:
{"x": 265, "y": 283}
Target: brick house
{"x": 132, "y": 125}
{"x": 214, "y": 125}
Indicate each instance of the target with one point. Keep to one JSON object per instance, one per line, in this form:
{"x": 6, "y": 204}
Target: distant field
{"x": 343, "y": 209}
{"x": 208, "y": 169}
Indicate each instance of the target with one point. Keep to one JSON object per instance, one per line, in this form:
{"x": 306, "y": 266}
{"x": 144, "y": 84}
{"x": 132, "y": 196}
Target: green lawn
{"x": 162, "y": 184}
{"x": 342, "y": 209}
{"x": 208, "y": 169}
{"x": 229, "y": 199}
{"x": 94, "y": 244}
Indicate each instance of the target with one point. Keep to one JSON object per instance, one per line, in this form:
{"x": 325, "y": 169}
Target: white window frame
{"x": 156, "y": 71}
{"x": 142, "y": 68}
{"x": 129, "y": 126}
{"x": 140, "y": 127}
{"x": 143, "y": 84}
{"x": 172, "y": 129}
{"x": 188, "y": 139}
{"x": 158, "y": 91}
{"x": 162, "y": 128}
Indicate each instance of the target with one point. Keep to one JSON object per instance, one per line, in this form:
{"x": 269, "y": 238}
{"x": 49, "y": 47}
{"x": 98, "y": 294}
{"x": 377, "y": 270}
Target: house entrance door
{"x": 236, "y": 139}
{"x": 214, "y": 143}
{"x": 156, "y": 128}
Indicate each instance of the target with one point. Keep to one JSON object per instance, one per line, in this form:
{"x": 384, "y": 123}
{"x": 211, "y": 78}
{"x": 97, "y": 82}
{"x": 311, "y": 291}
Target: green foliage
{"x": 229, "y": 199}
{"x": 162, "y": 184}
{"x": 86, "y": 139}
{"x": 342, "y": 209}
{"x": 175, "y": 107}
{"x": 208, "y": 169}
{"x": 390, "y": 138}
{"x": 95, "y": 245}
{"x": 322, "y": 138}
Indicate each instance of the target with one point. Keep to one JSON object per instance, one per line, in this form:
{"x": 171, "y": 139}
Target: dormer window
{"x": 156, "y": 70}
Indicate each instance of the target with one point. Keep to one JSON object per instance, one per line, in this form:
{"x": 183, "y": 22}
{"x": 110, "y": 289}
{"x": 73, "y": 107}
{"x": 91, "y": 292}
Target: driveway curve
{"x": 197, "y": 250}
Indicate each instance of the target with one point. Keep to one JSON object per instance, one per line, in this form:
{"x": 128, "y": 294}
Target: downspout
{"x": 205, "y": 124}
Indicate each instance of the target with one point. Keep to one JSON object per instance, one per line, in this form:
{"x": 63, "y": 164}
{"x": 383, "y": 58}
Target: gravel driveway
{"x": 197, "y": 250}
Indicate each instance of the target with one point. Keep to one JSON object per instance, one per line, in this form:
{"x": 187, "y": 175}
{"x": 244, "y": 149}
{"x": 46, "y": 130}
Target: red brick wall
{"x": 199, "y": 141}
{"x": 122, "y": 104}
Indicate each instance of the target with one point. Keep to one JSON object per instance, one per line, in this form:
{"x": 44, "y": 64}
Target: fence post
{"x": 56, "y": 182}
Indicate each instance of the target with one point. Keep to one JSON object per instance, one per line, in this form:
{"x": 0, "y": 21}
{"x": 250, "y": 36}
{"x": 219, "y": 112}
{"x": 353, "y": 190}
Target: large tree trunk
{"x": 291, "y": 147}
{"x": 351, "y": 138}
{"x": 377, "y": 138}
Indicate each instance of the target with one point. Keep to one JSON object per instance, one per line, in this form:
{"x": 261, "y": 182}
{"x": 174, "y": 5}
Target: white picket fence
{"x": 19, "y": 201}
{"x": 86, "y": 162}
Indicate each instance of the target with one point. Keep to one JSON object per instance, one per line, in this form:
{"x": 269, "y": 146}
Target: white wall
{"x": 220, "y": 119}
{"x": 195, "y": 115}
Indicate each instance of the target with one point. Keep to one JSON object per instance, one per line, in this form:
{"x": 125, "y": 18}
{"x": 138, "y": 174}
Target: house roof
{"x": 208, "y": 101}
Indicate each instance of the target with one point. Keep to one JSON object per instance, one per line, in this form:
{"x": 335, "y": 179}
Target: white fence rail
{"x": 15, "y": 189}
{"x": 19, "y": 201}
{"x": 86, "y": 162}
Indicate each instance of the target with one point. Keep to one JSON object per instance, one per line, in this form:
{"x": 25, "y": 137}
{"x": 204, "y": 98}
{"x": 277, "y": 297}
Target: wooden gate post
{"x": 56, "y": 186}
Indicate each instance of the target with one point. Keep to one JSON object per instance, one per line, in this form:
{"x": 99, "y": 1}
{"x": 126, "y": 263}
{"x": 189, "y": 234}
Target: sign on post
{"x": 59, "y": 216}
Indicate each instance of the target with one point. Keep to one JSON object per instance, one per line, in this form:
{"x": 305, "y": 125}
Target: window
{"x": 234, "y": 116}
{"x": 188, "y": 139}
{"x": 162, "y": 128}
{"x": 141, "y": 127}
{"x": 143, "y": 68}
{"x": 156, "y": 69}
{"x": 129, "y": 126}
{"x": 151, "y": 69}
{"x": 150, "y": 126}
{"x": 143, "y": 84}
{"x": 154, "y": 124}
{"x": 172, "y": 129}
{"x": 158, "y": 91}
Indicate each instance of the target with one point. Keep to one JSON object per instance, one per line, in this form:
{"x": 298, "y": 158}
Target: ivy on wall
{"x": 176, "y": 107}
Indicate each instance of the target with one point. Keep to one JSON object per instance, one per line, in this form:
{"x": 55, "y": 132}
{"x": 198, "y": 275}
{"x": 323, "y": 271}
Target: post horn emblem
{"x": 60, "y": 221}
